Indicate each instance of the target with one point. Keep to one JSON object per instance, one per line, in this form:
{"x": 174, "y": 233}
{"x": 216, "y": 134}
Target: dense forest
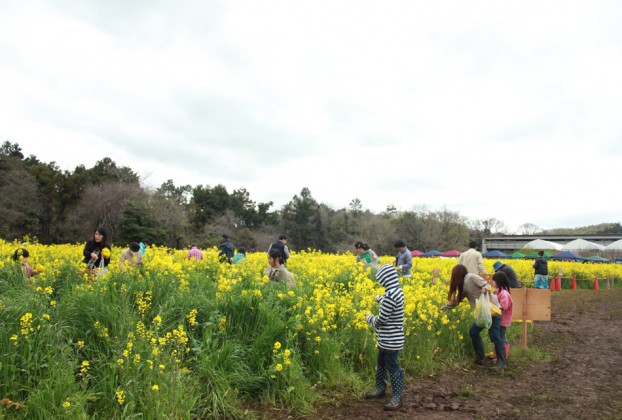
{"x": 38, "y": 200}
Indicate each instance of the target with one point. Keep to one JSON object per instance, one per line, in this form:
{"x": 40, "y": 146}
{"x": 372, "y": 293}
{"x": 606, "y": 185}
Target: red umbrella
{"x": 452, "y": 253}
{"x": 416, "y": 253}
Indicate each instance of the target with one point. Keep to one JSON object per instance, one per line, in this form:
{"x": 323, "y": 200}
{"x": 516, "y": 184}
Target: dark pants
{"x": 388, "y": 359}
{"x": 494, "y": 332}
{"x": 503, "y": 331}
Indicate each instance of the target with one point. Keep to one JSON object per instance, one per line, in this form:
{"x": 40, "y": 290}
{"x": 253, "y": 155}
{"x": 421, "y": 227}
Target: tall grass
{"x": 185, "y": 339}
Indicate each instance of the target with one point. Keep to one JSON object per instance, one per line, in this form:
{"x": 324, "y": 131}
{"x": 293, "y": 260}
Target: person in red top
{"x": 504, "y": 297}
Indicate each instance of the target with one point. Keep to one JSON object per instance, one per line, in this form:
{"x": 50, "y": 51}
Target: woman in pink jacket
{"x": 505, "y": 300}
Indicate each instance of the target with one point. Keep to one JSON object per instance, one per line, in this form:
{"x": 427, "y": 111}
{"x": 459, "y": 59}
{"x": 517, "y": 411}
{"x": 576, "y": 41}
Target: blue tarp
{"x": 566, "y": 256}
{"x": 433, "y": 253}
{"x": 494, "y": 254}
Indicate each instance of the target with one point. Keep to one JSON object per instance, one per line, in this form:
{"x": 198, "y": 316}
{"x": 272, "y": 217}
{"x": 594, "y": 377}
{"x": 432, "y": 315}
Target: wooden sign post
{"x": 531, "y": 304}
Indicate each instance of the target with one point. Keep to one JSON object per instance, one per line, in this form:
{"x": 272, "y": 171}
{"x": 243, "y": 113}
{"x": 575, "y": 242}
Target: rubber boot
{"x": 500, "y": 351}
{"x": 397, "y": 384}
{"x": 381, "y": 384}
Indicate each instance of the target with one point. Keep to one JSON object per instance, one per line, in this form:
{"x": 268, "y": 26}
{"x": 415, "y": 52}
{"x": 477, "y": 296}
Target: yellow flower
{"x": 278, "y": 367}
{"x": 66, "y": 404}
{"x": 106, "y": 253}
{"x": 120, "y": 397}
{"x": 155, "y": 388}
{"x": 277, "y": 345}
{"x": 84, "y": 368}
{"x": 80, "y": 344}
{"x": 192, "y": 317}
{"x": 287, "y": 352}
{"x": 222, "y": 323}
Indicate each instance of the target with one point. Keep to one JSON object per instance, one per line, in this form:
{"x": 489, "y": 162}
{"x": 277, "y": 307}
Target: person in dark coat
{"x": 509, "y": 272}
{"x": 541, "y": 268}
{"x": 226, "y": 249}
{"x": 94, "y": 248}
{"x": 281, "y": 245}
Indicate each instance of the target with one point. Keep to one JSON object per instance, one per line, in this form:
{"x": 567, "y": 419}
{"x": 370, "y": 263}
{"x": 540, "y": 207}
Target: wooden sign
{"x": 530, "y": 305}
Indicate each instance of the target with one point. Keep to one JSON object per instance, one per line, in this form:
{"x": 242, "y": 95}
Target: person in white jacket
{"x": 472, "y": 259}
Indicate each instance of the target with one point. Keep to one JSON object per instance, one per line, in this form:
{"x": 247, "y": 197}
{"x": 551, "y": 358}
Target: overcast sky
{"x": 511, "y": 110}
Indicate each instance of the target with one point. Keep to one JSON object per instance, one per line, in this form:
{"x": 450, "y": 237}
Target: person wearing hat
{"x": 226, "y": 249}
{"x": 509, "y": 271}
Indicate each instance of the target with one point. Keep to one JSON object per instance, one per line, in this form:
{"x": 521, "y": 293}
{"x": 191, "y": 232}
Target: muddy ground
{"x": 577, "y": 375}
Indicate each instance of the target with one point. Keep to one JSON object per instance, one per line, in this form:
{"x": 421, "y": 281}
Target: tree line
{"x": 38, "y": 199}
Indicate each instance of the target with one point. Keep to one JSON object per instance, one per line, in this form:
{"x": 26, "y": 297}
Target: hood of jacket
{"x": 387, "y": 277}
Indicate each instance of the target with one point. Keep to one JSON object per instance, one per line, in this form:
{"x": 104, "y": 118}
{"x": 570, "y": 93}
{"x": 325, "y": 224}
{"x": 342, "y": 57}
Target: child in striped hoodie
{"x": 389, "y": 325}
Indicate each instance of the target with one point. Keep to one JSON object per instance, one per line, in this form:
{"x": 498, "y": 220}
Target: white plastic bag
{"x": 102, "y": 268}
{"x": 483, "y": 319}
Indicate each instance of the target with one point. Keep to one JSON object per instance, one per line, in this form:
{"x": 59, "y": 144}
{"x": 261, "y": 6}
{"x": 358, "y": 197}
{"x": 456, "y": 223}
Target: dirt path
{"x": 581, "y": 380}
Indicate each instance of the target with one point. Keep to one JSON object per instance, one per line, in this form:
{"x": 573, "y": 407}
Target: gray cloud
{"x": 409, "y": 103}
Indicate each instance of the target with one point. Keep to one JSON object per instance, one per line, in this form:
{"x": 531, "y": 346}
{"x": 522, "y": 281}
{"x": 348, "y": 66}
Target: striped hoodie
{"x": 389, "y": 323}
